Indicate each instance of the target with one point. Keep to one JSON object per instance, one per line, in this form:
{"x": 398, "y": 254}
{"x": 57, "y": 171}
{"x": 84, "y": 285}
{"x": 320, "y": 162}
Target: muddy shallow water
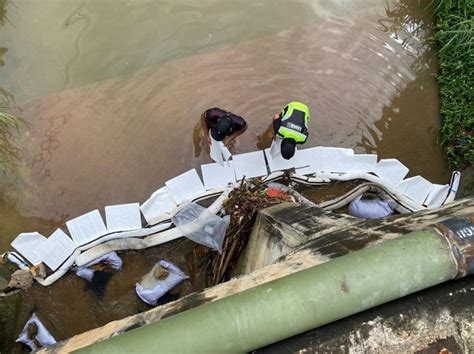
{"x": 112, "y": 90}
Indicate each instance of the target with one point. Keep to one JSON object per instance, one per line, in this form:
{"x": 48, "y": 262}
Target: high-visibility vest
{"x": 294, "y": 122}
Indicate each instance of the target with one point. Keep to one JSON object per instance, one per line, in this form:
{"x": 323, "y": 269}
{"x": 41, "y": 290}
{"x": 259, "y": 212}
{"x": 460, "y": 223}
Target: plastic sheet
{"x": 201, "y": 226}
{"x": 151, "y": 287}
{"x": 370, "y": 208}
{"x": 35, "y": 332}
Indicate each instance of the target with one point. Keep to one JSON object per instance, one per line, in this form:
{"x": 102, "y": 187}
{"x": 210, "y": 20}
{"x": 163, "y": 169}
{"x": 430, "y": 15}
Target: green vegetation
{"x": 454, "y": 38}
{"x": 9, "y": 126}
{"x": 3, "y": 11}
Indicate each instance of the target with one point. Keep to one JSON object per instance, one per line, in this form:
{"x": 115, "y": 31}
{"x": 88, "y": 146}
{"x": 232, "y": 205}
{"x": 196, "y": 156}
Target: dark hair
{"x": 288, "y": 148}
{"x": 222, "y": 128}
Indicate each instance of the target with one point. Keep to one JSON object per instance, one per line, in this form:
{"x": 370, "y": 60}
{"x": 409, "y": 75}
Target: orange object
{"x": 276, "y": 193}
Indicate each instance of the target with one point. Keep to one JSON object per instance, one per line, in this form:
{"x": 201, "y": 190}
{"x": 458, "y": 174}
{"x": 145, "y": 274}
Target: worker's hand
{"x": 276, "y": 116}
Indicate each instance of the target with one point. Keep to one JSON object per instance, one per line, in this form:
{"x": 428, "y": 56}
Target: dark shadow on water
{"x": 98, "y": 284}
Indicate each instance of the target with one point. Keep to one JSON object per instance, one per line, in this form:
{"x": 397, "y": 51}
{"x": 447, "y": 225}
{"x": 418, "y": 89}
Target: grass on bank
{"x": 454, "y": 39}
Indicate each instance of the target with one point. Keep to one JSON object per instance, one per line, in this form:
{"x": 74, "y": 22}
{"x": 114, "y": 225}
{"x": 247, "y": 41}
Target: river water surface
{"x": 111, "y": 92}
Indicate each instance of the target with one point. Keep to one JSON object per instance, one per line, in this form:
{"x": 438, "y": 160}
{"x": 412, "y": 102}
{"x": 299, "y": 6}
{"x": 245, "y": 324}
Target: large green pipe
{"x": 299, "y": 302}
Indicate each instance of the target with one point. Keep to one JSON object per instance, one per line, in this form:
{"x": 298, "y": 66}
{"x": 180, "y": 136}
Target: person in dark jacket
{"x": 225, "y": 126}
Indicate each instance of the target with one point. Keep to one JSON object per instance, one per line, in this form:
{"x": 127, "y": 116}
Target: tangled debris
{"x": 242, "y": 205}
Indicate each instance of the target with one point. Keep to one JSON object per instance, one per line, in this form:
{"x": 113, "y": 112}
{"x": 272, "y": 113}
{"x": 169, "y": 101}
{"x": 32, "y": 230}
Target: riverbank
{"x": 454, "y": 38}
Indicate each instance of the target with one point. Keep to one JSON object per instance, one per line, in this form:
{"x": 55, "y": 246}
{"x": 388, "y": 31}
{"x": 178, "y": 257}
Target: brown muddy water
{"x": 111, "y": 92}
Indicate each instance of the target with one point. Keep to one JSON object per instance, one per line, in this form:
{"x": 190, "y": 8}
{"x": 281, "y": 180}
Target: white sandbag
{"x": 151, "y": 288}
{"x": 370, "y": 208}
{"x": 41, "y": 335}
{"x": 112, "y": 260}
{"x": 201, "y": 226}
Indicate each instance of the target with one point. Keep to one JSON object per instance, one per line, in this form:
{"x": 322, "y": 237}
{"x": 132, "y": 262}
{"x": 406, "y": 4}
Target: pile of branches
{"x": 242, "y": 205}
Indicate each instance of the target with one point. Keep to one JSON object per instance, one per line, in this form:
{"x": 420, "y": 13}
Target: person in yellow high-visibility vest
{"x": 291, "y": 125}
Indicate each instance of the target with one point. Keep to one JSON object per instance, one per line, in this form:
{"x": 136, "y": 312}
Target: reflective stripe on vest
{"x": 292, "y": 134}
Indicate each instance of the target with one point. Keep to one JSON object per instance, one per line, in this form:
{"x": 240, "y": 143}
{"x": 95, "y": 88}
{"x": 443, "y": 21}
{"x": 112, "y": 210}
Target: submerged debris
{"x": 242, "y": 206}
{"x": 39, "y": 271}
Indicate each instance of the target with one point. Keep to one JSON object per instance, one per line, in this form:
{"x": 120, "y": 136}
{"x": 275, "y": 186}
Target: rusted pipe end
{"x": 460, "y": 234}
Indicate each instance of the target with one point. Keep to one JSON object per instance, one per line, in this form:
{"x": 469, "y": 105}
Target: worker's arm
{"x": 235, "y": 134}
{"x": 205, "y": 128}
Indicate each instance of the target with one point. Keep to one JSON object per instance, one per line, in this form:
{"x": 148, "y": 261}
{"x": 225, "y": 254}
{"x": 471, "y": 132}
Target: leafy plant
{"x": 454, "y": 38}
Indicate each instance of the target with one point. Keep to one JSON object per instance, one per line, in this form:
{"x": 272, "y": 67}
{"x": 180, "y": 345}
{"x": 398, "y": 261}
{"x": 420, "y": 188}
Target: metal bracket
{"x": 460, "y": 233}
